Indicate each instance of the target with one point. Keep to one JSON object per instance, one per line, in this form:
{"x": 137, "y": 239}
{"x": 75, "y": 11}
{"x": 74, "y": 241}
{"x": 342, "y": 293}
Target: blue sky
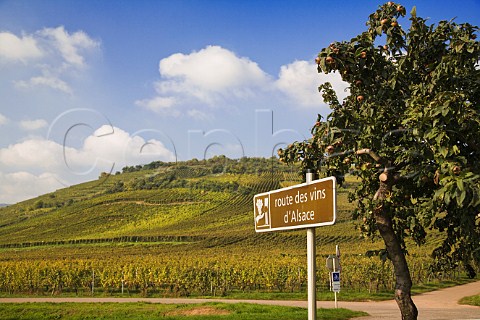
{"x": 92, "y": 86}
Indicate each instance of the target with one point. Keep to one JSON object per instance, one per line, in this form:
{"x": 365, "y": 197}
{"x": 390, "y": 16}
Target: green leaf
{"x": 439, "y": 194}
{"x": 460, "y": 185}
{"x": 439, "y": 137}
{"x": 323, "y": 65}
{"x": 456, "y": 150}
{"x": 443, "y": 151}
{"x": 447, "y": 198}
{"x": 413, "y": 13}
{"x": 461, "y": 198}
{"x": 475, "y": 201}
{"x": 446, "y": 109}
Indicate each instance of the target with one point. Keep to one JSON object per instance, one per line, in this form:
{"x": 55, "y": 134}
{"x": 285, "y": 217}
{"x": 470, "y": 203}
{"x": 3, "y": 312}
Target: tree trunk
{"x": 403, "y": 281}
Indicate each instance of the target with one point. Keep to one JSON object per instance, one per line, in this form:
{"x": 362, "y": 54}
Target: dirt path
{"x": 437, "y": 305}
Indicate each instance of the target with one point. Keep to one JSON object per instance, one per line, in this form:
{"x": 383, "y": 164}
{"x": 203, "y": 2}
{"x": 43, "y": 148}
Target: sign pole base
{"x": 311, "y": 266}
{"x": 312, "y": 277}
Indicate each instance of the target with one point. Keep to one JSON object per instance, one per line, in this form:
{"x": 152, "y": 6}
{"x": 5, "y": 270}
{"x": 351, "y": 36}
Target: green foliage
{"x": 415, "y": 102}
{"x": 193, "y": 235}
{"x": 145, "y": 201}
{"x": 184, "y": 274}
{"x": 472, "y": 300}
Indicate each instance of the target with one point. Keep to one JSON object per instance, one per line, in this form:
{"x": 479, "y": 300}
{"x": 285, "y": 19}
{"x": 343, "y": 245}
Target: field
{"x": 139, "y": 311}
{"x": 184, "y": 229}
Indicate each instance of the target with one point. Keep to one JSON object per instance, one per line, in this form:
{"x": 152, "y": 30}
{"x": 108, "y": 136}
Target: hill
{"x": 177, "y": 228}
{"x": 209, "y": 200}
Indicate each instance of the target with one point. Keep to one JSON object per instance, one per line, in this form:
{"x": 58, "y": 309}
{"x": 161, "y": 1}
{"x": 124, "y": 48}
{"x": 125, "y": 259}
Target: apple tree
{"x": 410, "y": 131}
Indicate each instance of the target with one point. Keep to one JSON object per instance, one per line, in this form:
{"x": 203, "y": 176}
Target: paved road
{"x": 437, "y": 305}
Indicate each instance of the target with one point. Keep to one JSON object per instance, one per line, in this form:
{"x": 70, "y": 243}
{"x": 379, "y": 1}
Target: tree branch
{"x": 371, "y": 153}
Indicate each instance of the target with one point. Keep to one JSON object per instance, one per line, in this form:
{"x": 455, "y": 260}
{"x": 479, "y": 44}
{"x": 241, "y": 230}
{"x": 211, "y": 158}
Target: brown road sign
{"x": 300, "y": 206}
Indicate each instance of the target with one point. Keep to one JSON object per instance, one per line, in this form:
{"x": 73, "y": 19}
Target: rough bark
{"x": 403, "y": 281}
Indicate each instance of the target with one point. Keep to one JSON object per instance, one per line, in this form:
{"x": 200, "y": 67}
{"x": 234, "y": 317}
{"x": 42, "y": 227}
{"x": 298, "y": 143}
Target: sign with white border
{"x": 305, "y": 205}
{"x": 336, "y": 281}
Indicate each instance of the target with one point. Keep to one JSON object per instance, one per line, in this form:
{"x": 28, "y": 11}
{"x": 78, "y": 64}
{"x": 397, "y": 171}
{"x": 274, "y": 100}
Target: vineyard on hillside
{"x": 186, "y": 275}
{"x": 180, "y": 229}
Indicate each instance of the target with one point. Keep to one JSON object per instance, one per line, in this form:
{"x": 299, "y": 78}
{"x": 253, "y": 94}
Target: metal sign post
{"x": 311, "y": 266}
{"x": 307, "y": 205}
{"x": 335, "y": 283}
{"x": 334, "y": 266}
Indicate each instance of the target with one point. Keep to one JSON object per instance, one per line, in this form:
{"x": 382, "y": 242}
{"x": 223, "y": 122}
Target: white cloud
{"x": 159, "y": 105}
{"x": 107, "y": 145}
{"x": 193, "y": 84}
{"x": 48, "y": 165}
{"x": 58, "y": 55}
{"x": 210, "y": 77}
{"x": 69, "y": 45}
{"x": 50, "y": 82}
{"x": 120, "y": 147}
{"x": 213, "y": 69}
{"x": 16, "y": 48}
{"x": 33, "y": 124}
{"x": 299, "y": 80}
{"x": 199, "y": 115}
{"x": 35, "y": 153}
{"x": 3, "y": 119}
{"x": 21, "y": 185}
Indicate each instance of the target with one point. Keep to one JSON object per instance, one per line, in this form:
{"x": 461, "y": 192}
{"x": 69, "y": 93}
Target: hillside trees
{"x": 410, "y": 130}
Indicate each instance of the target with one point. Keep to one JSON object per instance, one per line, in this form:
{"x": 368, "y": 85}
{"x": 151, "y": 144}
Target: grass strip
{"x": 472, "y": 300}
{"x": 141, "y": 311}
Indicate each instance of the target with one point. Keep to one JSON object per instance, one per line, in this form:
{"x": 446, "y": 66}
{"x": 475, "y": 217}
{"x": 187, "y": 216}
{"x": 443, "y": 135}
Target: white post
{"x": 311, "y": 266}
{"x": 335, "y": 292}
